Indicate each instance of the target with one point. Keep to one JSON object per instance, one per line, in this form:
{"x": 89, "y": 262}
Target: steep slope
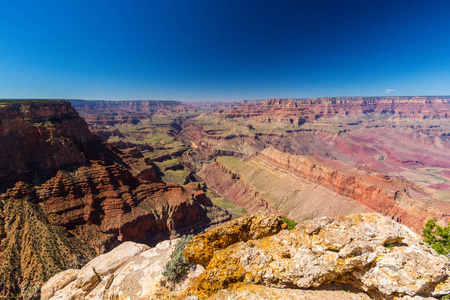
{"x": 60, "y": 182}
{"x": 306, "y": 187}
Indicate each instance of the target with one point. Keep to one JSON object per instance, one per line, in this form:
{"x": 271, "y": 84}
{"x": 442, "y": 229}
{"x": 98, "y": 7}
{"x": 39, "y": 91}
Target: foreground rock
{"x": 251, "y": 227}
{"x": 367, "y": 251}
{"x": 130, "y": 271}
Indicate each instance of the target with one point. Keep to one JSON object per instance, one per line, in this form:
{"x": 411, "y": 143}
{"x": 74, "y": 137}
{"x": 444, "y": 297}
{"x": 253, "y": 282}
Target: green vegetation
{"x": 437, "y": 237}
{"x": 236, "y": 211}
{"x": 290, "y": 223}
{"x": 169, "y": 164}
{"x": 233, "y": 163}
{"x": 389, "y": 246}
{"x": 177, "y": 267}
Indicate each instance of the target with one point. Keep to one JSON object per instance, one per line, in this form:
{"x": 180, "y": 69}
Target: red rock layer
{"x": 386, "y": 195}
{"x": 300, "y": 111}
{"x": 40, "y": 135}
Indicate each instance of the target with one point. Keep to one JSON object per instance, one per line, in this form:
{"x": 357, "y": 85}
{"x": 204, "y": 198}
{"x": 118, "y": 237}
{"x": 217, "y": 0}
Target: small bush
{"x": 177, "y": 267}
{"x": 389, "y": 246}
{"x": 437, "y": 237}
{"x": 290, "y": 223}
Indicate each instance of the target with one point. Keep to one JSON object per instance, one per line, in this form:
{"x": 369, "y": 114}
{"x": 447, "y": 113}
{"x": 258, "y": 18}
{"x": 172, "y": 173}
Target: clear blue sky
{"x": 223, "y": 50}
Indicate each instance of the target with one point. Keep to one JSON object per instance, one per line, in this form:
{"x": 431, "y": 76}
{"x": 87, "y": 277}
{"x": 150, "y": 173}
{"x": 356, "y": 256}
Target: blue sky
{"x": 223, "y": 50}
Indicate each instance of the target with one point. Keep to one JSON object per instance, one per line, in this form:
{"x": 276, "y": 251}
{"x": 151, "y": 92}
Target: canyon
{"x": 402, "y": 143}
{"x": 79, "y": 178}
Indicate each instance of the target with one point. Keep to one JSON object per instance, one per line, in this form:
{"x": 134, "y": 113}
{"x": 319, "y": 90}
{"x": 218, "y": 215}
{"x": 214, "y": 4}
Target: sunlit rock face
{"x": 130, "y": 271}
{"x": 367, "y": 251}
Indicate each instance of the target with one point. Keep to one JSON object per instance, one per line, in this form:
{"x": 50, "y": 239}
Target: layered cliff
{"x": 40, "y": 136}
{"x": 305, "y": 187}
{"x": 304, "y": 110}
{"x": 66, "y": 196}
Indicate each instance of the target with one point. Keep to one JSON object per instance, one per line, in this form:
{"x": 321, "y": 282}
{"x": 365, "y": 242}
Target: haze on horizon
{"x": 223, "y": 50}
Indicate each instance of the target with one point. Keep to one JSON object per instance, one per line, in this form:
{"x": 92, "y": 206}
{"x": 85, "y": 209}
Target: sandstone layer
{"x": 398, "y": 136}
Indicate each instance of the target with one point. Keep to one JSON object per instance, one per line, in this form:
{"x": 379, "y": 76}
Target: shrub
{"x": 177, "y": 267}
{"x": 290, "y": 223}
{"x": 437, "y": 237}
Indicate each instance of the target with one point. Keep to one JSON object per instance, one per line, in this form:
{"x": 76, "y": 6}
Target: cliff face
{"x": 386, "y": 195}
{"x": 304, "y": 187}
{"x": 67, "y": 196}
{"x": 38, "y": 136}
{"x": 301, "y": 111}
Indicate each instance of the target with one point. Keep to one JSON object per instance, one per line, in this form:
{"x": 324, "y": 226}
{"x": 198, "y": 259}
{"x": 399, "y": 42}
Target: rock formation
{"x": 302, "y": 186}
{"x": 370, "y": 252}
{"x": 130, "y": 271}
{"x": 362, "y": 257}
{"x": 399, "y": 136}
{"x": 304, "y": 110}
{"x": 66, "y": 196}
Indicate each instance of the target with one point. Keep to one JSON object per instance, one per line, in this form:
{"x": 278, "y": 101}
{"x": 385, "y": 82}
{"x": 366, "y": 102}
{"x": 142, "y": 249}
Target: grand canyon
{"x": 81, "y": 180}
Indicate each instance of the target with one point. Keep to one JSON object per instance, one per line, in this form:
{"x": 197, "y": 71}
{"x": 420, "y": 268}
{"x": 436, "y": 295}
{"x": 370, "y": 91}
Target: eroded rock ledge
{"x": 367, "y": 251}
{"x": 360, "y": 256}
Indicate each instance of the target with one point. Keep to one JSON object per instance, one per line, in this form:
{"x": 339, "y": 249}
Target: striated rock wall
{"x": 301, "y": 111}
{"x": 239, "y": 191}
{"x": 303, "y": 187}
{"x": 260, "y": 186}
{"x": 386, "y": 195}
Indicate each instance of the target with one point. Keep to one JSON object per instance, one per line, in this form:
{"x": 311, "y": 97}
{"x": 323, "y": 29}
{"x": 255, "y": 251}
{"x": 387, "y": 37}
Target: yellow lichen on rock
{"x": 351, "y": 250}
{"x": 202, "y": 247}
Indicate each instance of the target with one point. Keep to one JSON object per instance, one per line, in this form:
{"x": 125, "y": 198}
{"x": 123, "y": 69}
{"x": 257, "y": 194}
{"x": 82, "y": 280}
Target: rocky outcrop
{"x": 67, "y": 196}
{"x": 38, "y": 136}
{"x": 130, "y": 271}
{"x": 203, "y": 246}
{"x": 364, "y": 256}
{"x": 368, "y": 252}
